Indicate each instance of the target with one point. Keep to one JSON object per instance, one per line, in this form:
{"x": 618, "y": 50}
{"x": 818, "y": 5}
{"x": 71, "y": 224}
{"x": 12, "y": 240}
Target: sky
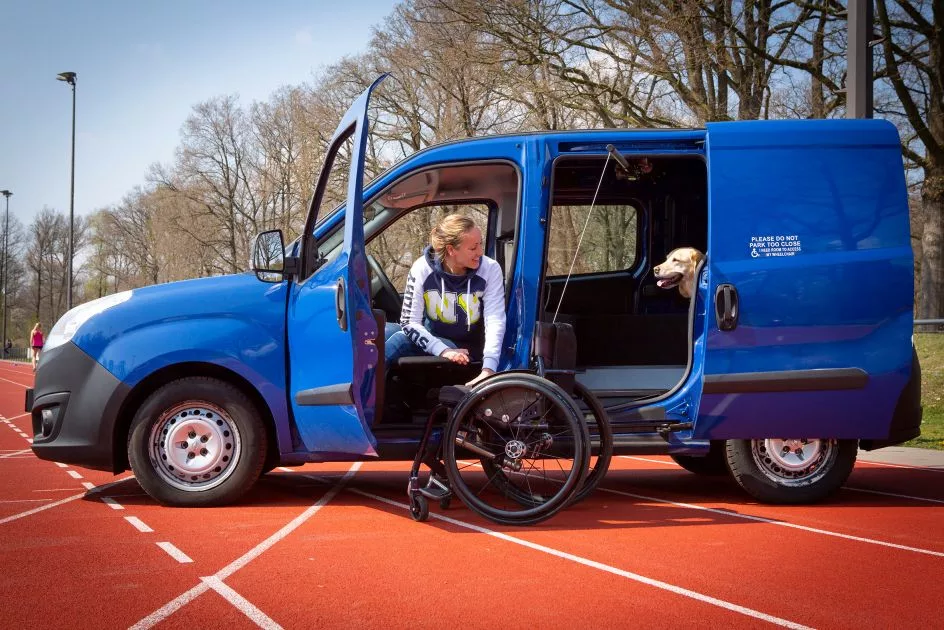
{"x": 142, "y": 65}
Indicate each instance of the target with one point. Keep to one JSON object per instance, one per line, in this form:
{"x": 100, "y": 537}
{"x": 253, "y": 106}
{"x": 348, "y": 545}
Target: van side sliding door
{"x": 810, "y": 271}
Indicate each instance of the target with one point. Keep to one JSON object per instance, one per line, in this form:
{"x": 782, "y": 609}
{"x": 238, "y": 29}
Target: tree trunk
{"x": 931, "y": 302}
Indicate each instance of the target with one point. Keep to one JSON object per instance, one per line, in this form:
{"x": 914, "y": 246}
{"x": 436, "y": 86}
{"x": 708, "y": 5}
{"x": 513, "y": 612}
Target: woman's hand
{"x": 485, "y": 373}
{"x": 456, "y": 355}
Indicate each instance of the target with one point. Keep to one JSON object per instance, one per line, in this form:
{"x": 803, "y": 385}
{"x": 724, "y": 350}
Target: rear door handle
{"x": 726, "y": 307}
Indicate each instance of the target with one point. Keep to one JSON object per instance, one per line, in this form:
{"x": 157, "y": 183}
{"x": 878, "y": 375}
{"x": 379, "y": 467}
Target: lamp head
{"x": 6, "y": 193}
{"x": 68, "y": 77}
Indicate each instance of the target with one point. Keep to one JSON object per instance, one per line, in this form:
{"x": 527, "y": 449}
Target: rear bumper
{"x": 906, "y": 423}
{"x": 75, "y": 406}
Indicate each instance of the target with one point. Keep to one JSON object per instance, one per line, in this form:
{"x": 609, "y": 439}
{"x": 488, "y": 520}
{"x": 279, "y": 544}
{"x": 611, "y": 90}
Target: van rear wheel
{"x": 197, "y": 441}
{"x": 790, "y": 471}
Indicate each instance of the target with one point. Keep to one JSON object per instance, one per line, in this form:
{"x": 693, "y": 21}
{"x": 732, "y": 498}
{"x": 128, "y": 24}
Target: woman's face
{"x": 469, "y": 253}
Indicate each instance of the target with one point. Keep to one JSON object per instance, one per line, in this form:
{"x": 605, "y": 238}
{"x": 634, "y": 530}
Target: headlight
{"x": 69, "y": 323}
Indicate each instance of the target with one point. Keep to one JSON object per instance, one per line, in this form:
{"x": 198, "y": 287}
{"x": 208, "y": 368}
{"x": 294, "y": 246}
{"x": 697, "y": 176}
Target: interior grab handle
{"x": 339, "y": 304}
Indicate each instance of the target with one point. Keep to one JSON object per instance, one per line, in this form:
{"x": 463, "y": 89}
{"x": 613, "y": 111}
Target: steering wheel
{"x": 383, "y": 292}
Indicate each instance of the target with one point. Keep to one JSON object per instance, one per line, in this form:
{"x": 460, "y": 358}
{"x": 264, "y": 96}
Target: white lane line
{"x": 88, "y": 485}
{"x": 284, "y": 469}
{"x": 24, "y": 500}
{"x": 61, "y": 465}
{"x": 884, "y": 465}
{"x": 15, "y": 453}
{"x": 242, "y": 604}
{"x": 22, "y": 415}
{"x": 678, "y": 590}
{"x": 892, "y": 494}
{"x": 761, "y": 519}
{"x": 57, "y": 489}
{"x": 184, "y": 598}
{"x": 73, "y": 474}
{"x": 112, "y": 503}
{"x": 14, "y": 517}
{"x": 652, "y": 461}
{"x": 139, "y": 524}
{"x": 15, "y": 383}
{"x": 175, "y": 553}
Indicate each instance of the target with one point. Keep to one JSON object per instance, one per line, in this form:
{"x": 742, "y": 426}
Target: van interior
{"x": 633, "y": 338}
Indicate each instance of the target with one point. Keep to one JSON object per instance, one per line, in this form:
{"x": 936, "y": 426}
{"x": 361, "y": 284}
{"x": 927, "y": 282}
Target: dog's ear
{"x": 697, "y": 257}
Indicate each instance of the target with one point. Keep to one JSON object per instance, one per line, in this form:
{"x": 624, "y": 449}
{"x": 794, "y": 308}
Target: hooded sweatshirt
{"x": 468, "y": 309}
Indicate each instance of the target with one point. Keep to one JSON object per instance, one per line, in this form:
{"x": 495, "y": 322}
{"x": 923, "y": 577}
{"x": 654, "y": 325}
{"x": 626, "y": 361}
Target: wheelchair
{"x": 519, "y": 446}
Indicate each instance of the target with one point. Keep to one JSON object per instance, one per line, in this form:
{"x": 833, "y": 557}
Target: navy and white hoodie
{"x": 438, "y": 304}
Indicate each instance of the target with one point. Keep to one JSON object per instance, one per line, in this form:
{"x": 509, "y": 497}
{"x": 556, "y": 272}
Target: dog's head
{"x": 679, "y": 270}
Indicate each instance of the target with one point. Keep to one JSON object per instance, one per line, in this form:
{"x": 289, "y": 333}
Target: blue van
{"x": 794, "y": 350}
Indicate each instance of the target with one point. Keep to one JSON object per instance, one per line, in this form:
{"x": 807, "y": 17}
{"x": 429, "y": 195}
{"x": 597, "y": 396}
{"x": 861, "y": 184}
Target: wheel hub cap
{"x": 195, "y": 446}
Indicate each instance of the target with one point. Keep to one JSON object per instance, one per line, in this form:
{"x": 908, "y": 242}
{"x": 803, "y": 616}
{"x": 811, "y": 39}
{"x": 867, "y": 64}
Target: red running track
{"x": 333, "y": 545}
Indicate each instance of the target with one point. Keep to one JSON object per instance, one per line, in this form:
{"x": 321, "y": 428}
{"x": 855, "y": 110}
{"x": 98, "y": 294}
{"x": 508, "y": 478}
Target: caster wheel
{"x": 444, "y": 503}
{"x": 419, "y": 508}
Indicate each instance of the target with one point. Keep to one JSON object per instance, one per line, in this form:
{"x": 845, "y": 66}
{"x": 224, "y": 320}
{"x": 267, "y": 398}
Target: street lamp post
{"x": 6, "y": 270}
{"x": 70, "y": 77}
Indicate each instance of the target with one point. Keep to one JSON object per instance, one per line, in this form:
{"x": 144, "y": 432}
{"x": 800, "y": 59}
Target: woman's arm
{"x": 493, "y": 306}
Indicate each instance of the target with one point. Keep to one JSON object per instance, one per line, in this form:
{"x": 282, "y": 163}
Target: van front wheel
{"x": 197, "y": 442}
{"x": 791, "y": 471}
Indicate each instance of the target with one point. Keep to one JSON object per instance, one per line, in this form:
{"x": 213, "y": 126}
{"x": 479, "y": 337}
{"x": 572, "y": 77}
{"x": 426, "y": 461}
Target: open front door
{"x": 331, "y": 329}
{"x": 810, "y": 280}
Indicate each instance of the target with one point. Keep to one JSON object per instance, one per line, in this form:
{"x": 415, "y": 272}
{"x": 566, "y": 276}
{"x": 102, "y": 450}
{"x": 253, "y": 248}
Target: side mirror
{"x": 268, "y": 256}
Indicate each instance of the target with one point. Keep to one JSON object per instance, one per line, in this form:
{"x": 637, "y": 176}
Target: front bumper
{"x": 75, "y": 405}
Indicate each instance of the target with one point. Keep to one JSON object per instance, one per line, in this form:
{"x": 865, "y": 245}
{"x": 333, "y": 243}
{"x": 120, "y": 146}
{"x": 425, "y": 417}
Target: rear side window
{"x": 609, "y": 243}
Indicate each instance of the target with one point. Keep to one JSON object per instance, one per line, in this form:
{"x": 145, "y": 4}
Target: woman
{"x": 36, "y": 342}
{"x": 454, "y": 303}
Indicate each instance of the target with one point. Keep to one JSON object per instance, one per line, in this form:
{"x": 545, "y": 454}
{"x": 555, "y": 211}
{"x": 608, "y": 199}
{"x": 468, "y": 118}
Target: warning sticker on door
{"x": 777, "y": 245}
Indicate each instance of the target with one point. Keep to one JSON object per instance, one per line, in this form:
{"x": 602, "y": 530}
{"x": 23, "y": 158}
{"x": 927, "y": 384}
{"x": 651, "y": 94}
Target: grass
{"x": 931, "y": 356}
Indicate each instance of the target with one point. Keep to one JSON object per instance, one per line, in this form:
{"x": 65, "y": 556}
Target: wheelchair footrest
{"x": 436, "y": 489}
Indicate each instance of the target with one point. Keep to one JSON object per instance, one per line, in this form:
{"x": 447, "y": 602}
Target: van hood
{"x": 203, "y": 300}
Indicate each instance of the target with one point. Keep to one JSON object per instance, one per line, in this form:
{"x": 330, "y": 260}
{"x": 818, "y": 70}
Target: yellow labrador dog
{"x": 679, "y": 270}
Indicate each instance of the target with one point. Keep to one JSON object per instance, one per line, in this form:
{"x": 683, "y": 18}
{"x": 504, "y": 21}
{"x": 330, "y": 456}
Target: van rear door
{"x": 331, "y": 329}
{"x": 811, "y": 277}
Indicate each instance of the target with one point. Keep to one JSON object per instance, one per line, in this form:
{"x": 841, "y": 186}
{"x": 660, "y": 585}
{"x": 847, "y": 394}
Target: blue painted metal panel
{"x": 809, "y": 221}
{"x": 236, "y": 322}
{"x": 321, "y": 353}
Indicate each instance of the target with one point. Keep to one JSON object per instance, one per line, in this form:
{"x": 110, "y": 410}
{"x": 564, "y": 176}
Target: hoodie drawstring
{"x": 468, "y": 304}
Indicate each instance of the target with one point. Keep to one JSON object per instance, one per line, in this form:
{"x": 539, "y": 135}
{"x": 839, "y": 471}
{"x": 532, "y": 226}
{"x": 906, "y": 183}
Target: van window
{"x": 609, "y": 243}
{"x": 403, "y": 242}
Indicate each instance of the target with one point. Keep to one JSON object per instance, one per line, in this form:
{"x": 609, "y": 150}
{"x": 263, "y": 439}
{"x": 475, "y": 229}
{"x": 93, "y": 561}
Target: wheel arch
{"x": 167, "y": 374}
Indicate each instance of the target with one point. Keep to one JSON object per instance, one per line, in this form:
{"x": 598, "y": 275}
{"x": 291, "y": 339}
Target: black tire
{"x": 224, "y": 436}
{"x": 771, "y": 471}
{"x": 419, "y": 508}
{"x": 543, "y": 425}
{"x": 714, "y": 464}
{"x": 604, "y": 452}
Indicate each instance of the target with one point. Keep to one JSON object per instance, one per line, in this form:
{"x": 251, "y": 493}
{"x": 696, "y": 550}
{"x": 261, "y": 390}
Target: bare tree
{"x": 912, "y": 46}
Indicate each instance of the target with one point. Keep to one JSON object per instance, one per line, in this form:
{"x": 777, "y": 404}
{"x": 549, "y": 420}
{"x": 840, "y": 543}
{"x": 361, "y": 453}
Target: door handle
{"x": 339, "y": 304}
{"x": 726, "y": 307}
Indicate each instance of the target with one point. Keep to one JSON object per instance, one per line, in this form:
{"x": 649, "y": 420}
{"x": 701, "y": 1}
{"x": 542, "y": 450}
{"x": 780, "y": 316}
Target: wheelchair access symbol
{"x": 754, "y": 253}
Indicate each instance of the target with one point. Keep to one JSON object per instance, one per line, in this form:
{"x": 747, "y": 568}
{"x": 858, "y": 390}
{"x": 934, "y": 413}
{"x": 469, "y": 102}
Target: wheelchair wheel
{"x": 599, "y": 457}
{"x": 419, "y": 508}
{"x": 516, "y": 449}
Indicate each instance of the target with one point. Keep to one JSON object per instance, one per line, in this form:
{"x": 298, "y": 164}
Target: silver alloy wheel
{"x": 794, "y": 462}
{"x": 194, "y": 446}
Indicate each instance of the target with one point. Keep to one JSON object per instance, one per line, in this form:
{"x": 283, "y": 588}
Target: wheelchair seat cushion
{"x": 451, "y": 395}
